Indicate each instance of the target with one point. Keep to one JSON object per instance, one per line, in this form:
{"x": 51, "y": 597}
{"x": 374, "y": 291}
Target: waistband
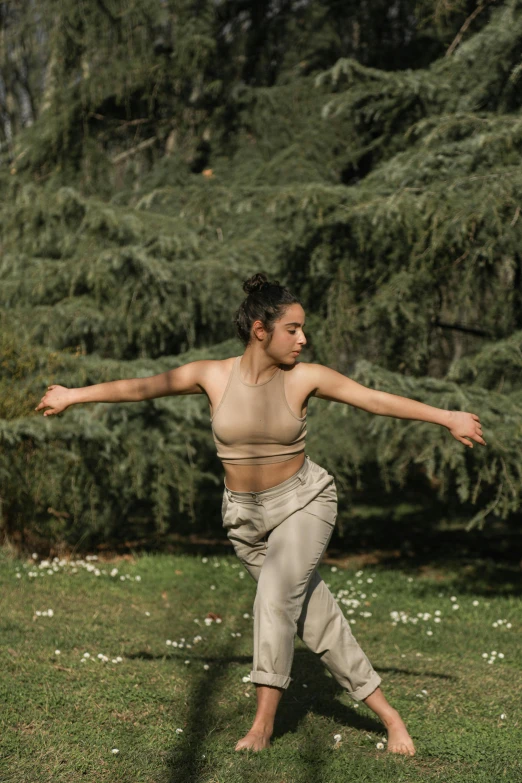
{"x": 273, "y": 492}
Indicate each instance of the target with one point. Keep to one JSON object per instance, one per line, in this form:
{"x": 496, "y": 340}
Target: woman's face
{"x": 288, "y": 337}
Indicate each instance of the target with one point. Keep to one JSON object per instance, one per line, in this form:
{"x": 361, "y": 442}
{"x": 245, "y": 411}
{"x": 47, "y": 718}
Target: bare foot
{"x": 254, "y": 740}
{"x": 399, "y": 741}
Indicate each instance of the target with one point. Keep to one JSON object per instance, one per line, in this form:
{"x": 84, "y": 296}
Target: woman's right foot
{"x": 399, "y": 741}
{"x": 254, "y": 740}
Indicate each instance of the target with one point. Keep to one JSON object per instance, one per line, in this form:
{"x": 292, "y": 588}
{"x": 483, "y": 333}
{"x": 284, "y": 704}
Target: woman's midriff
{"x": 256, "y": 478}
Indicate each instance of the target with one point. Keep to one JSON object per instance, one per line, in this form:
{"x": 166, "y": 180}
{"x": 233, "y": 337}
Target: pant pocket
{"x": 324, "y": 506}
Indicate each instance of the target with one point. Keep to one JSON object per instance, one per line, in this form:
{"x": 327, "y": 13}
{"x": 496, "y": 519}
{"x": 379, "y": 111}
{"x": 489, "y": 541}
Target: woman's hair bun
{"x": 257, "y": 282}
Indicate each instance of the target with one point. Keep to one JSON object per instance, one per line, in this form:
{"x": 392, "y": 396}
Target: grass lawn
{"x": 170, "y": 694}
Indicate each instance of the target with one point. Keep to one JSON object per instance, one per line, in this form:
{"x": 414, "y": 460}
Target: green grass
{"x": 62, "y": 717}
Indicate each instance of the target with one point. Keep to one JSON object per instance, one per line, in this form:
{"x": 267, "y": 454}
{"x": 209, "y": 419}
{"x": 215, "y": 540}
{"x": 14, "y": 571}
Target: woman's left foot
{"x": 399, "y": 741}
{"x": 254, "y": 740}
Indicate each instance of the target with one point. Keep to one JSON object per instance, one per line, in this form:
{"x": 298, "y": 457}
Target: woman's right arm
{"x": 188, "y": 379}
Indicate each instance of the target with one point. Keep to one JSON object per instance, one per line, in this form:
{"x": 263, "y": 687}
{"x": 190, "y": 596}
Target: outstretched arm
{"x": 332, "y": 385}
{"x": 187, "y": 379}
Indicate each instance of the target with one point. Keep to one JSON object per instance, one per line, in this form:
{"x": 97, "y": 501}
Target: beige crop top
{"x": 254, "y": 425}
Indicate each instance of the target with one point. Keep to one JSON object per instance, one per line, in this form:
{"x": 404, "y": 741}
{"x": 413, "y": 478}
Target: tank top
{"x": 253, "y": 423}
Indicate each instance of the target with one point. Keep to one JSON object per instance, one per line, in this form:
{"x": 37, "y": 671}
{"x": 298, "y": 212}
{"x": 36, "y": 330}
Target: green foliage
{"x": 166, "y": 165}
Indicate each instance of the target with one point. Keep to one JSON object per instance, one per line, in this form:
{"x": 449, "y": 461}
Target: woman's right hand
{"x": 56, "y": 398}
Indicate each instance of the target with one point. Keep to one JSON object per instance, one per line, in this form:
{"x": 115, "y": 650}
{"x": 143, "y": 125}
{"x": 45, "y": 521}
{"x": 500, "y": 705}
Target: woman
{"x": 279, "y": 508}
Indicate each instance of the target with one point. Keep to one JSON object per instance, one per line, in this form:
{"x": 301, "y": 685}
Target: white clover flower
{"x": 204, "y": 559}
{"x": 137, "y": 578}
{"x": 455, "y": 606}
{"x": 206, "y": 666}
{"x": 57, "y": 652}
{"x": 436, "y": 619}
{"x": 218, "y": 619}
{"x": 179, "y": 731}
{"x": 333, "y": 568}
{"x": 475, "y": 603}
{"x": 484, "y": 655}
{"x": 115, "y": 751}
{"x": 86, "y": 655}
{"x": 305, "y": 685}
{"x": 410, "y": 579}
{"x": 168, "y": 642}
{"x": 379, "y": 746}
{"x": 18, "y": 575}
{"x": 119, "y": 659}
{"x": 337, "y": 737}
{"x": 38, "y": 613}
{"x": 50, "y": 612}
{"x": 501, "y": 655}
{"x": 453, "y": 598}
{"x": 246, "y": 615}
{"x": 369, "y": 581}
{"x": 424, "y": 691}
{"x": 187, "y": 661}
{"x": 147, "y": 614}
{"x": 508, "y": 625}
{"x": 429, "y": 633}
{"x": 503, "y": 716}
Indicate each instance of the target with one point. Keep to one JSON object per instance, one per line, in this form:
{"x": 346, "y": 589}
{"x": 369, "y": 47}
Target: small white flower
{"x": 218, "y": 620}
{"x": 305, "y": 685}
{"x": 501, "y": 655}
{"x": 379, "y": 746}
{"x": 37, "y": 613}
{"x": 493, "y": 652}
{"x": 438, "y": 613}
{"x": 212, "y": 587}
{"x": 246, "y": 615}
{"x": 115, "y": 751}
{"x": 187, "y": 661}
{"x": 410, "y": 579}
{"x": 246, "y": 678}
{"x": 147, "y": 614}
{"x": 424, "y": 691}
{"x": 508, "y": 625}
{"x": 495, "y": 625}
{"x": 436, "y": 619}
{"x": 179, "y": 731}
{"x": 204, "y": 559}
{"x": 137, "y": 578}
{"x": 455, "y": 606}
{"x": 333, "y": 568}
{"x": 475, "y": 603}
{"x": 484, "y": 655}
{"x": 168, "y": 642}
{"x": 86, "y": 655}
{"x": 57, "y": 652}
{"x": 337, "y": 737}
{"x": 114, "y": 660}
{"x": 503, "y": 716}
{"x": 453, "y": 598}
{"x": 34, "y": 556}
{"x": 206, "y": 666}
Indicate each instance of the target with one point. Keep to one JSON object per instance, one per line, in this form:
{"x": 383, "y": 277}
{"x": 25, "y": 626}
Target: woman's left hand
{"x": 464, "y": 425}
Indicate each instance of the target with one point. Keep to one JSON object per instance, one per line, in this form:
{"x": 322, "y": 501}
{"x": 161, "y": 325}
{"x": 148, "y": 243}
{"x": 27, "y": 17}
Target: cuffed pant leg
{"x": 323, "y": 627}
{"x": 293, "y": 551}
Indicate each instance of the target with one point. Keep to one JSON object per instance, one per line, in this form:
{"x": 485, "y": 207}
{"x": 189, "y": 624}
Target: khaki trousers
{"x": 280, "y": 535}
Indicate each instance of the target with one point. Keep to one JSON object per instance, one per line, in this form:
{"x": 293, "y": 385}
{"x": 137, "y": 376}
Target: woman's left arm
{"x": 331, "y": 385}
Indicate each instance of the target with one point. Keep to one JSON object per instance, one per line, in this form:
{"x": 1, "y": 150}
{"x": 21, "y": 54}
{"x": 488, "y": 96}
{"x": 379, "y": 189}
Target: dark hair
{"x": 267, "y": 301}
